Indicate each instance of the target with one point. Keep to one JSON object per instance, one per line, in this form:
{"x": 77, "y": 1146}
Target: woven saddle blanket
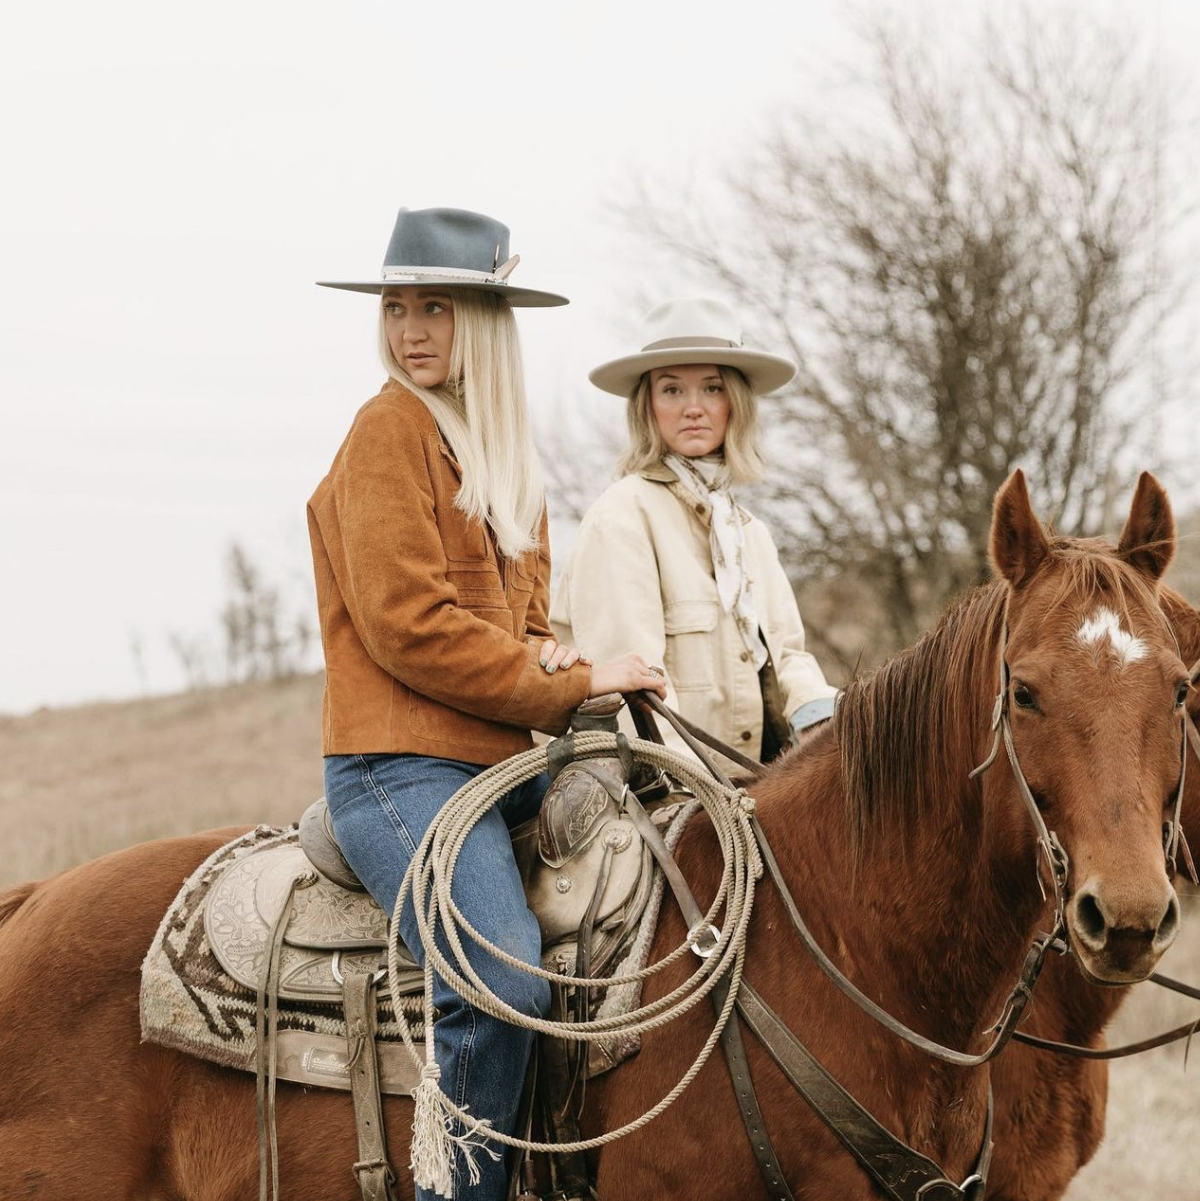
{"x": 199, "y": 989}
{"x": 194, "y": 1003}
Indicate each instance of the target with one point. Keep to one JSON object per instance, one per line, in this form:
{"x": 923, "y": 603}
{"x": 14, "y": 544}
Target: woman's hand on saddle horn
{"x": 553, "y": 655}
{"x": 628, "y": 674}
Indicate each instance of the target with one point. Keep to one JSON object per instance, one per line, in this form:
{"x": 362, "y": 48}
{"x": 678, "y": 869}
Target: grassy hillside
{"x": 77, "y": 783}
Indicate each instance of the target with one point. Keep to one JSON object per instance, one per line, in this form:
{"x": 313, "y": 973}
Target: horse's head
{"x": 1095, "y": 691}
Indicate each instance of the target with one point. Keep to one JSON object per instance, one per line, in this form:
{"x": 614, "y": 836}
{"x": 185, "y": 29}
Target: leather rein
{"x": 903, "y": 1173}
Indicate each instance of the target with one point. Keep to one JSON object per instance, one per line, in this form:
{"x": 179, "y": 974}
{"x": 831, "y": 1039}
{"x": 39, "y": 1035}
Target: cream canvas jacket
{"x": 640, "y": 578}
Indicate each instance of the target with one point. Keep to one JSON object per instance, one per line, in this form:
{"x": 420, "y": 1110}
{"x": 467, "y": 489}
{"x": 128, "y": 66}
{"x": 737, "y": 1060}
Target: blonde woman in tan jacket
{"x": 668, "y": 562}
{"x": 432, "y": 571}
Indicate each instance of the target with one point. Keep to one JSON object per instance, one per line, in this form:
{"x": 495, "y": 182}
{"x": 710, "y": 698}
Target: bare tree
{"x": 192, "y": 652}
{"x": 969, "y": 276}
{"x": 579, "y": 460}
{"x": 261, "y": 643}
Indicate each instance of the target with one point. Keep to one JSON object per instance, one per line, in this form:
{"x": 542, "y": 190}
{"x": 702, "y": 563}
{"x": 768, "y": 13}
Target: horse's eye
{"x": 1181, "y": 693}
{"x": 1023, "y": 697}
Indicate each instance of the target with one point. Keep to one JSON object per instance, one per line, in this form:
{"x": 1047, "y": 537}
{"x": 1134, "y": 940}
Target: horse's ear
{"x": 1019, "y": 544}
{"x": 1148, "y": 540}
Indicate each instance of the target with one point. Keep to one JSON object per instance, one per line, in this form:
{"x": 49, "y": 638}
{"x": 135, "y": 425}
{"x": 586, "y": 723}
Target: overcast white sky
{"x": 176, "y": 178}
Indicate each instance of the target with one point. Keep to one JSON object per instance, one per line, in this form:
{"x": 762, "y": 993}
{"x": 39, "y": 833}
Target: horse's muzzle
{"x": 1120, "y": 939}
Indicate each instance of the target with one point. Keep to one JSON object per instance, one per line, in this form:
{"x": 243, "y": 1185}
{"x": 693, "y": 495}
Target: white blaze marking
{"x": 1105, "y": 624}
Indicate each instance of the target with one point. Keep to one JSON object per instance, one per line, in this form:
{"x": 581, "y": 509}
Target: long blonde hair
{"x": 742, "y": 456}
{"x": 482, "y": 413}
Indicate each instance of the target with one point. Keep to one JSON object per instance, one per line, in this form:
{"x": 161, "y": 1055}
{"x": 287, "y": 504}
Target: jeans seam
{"x": 380, "y": 794}
{"x": 461, "y": 1084}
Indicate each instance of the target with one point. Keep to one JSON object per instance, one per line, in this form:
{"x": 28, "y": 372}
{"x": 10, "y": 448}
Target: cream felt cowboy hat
{"x": 451, "y": 248}
{"x": 695, "y": 330}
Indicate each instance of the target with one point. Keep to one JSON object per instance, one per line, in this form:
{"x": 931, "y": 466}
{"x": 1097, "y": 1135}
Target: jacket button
{"x": 699, "y": 508}
{"x": 745, "y": 656}
{"x": 746, "y": 735}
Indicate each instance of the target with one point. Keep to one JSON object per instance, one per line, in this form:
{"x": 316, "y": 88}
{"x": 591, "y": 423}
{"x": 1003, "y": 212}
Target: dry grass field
{"x": 77, "y": 783}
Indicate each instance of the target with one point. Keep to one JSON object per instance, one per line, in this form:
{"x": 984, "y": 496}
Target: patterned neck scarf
{"x": 706, "y": 479}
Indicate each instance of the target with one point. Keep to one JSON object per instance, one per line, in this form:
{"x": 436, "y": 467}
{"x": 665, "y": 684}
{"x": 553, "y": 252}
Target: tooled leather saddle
{"x": 293, "y": 923}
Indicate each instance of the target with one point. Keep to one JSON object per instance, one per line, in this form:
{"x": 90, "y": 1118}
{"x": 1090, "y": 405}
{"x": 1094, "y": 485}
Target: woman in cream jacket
{"x": 668, "y": 563}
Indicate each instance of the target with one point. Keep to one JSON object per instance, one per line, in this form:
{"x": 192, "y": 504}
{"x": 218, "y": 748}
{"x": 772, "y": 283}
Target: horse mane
{"x": 1184, "y": 621}
{"x": 908, "y": 731}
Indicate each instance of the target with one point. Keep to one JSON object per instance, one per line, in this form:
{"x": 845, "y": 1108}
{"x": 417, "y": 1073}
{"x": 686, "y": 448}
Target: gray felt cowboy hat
{"x": 451, "y": 248}
{"x": 693, "y": 330}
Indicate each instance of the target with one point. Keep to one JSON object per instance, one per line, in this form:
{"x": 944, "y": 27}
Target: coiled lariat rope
{"x": 429, "y": 879}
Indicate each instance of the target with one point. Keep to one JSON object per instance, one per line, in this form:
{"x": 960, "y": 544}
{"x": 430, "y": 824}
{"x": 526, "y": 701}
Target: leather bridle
{"x": 1047, "y": 840}
{"x": 1048, "y": 844}
{"x": 1174, "y": 837}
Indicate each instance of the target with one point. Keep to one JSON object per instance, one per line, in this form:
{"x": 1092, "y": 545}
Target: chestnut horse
{"x": 920, "y": 883}
{"x": 1050, "y": 1108}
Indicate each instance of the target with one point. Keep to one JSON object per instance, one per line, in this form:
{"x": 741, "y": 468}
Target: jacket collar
{"x": 660, "y": 473}
{"x": 394, "y": 389}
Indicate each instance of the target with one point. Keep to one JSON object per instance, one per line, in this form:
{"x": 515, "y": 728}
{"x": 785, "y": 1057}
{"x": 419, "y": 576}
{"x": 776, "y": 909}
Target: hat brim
{"x": 764, "y": 372}
{"x": 518, "y": 298}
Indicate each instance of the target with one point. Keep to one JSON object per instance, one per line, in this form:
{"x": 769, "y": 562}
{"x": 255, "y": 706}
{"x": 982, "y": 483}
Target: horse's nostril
{"x": 1169, "y": 926}
{"x": 1089, "y": 920}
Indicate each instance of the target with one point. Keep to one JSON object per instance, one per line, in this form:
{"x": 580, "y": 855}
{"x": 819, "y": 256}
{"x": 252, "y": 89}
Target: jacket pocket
{"x": 477, "y": 588}
{"x": 690, "y": 657}
{"x": 525, "y": 567}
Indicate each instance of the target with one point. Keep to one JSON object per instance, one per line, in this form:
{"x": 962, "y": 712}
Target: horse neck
{"x": 888, "y": 835}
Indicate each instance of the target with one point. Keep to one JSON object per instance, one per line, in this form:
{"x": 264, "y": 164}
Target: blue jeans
{"x": 381, "y": 806}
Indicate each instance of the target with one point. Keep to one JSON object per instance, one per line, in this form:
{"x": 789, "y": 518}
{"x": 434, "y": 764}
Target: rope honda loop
{"x": 429, "y": 879}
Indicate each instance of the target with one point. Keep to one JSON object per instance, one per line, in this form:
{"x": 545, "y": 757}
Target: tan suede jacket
{"x": 431, "y": 638}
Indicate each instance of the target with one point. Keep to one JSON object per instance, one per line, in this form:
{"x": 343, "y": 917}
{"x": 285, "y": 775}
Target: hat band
{"x": 483, "y": 277}
{"x": 687, "y": 343}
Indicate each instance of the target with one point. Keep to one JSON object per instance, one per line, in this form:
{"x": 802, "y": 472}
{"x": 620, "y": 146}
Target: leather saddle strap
{"x": 372, "y": 1169}
{"x": 583, "y": 936}
{"x": 903, "y": 1173}
{"x": 267, "y": 1044}
{"x": 747, "y": 1099}
{"x": 643, "y": 719}
{"x": 731, "y": 1035}
{"x": 691, "y": 733}
{"x": 579, "y": 1004}
{"x": 679, "y": 886}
